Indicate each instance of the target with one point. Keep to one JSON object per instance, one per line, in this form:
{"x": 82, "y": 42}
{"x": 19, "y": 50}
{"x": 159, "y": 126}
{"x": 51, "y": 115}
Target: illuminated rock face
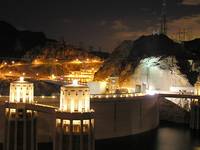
{"x": 97, "y": 87}
{"x": 21, "y": 91}
{"x": 75, "y": 98}
{"x": 158, "y": 74}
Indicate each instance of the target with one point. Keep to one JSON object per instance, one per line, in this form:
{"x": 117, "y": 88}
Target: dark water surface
{"x": 166, "y": 137}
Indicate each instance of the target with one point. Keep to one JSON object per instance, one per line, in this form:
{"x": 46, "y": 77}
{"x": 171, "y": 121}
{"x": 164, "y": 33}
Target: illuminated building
{"x": 74, "y": 120}
{"x": 113, "y": 84}
{"x": 20, "y": 118}
{"x": 81, "y": 76}
{"x": 197, "y": 88}
{"x": 97, "y": 87}
{"x": 21, "y": 91}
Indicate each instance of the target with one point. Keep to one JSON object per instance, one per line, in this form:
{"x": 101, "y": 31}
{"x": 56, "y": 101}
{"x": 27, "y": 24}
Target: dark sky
{"x": 98, "y": 22}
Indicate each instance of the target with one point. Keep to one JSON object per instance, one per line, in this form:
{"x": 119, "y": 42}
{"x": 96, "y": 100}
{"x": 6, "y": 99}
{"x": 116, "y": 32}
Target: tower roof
{"x": 76, "y": 84}
{"x": 21, "y": 81}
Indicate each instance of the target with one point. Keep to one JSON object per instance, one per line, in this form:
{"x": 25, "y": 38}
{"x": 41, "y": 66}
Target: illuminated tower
{"x": 20, "y": 124}
{"x": 163, "y": 23}
{"x": 197, "y": 87}
{"x": 21, "y": 91}
{"x": 74, "y": 120}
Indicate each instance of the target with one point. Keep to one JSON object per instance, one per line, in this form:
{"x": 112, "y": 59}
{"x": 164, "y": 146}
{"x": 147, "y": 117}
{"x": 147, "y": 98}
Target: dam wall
{"x": 119, "y": 117}
{"x": 114, "y": 117}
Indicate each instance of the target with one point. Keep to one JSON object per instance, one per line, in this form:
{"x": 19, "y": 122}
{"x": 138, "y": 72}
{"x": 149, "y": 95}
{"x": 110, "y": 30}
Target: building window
{"x": 76, "y": 126}
{"x": 66, "y": 126}
{"x": 86, "y": 125}
{"x": 58, "y": 122}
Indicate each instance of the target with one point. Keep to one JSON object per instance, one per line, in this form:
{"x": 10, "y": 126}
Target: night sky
{"x": 97, "y": 22}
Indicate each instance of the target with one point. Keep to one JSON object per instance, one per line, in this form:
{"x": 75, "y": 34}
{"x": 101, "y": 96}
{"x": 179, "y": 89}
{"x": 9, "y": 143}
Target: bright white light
{"x": 53, "y": 76}
{"x": 151, "y": 92}
{"x": 21, "y": 79}
{"x": 75, "y": 82}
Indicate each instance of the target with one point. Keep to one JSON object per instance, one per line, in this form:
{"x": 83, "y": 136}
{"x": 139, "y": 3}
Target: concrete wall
{"x": 45, "y": 127}
{"x": 2, "y": 123}
{"x": 123, "y": 117}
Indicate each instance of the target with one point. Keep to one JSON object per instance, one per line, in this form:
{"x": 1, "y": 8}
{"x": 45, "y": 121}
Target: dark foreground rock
{"x": 171, "y": 112}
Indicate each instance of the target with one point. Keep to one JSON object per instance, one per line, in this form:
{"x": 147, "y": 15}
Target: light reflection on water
{"x": 166, "y": 137}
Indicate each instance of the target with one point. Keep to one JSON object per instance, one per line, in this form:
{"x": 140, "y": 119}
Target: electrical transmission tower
{"x": 163, "y": 23}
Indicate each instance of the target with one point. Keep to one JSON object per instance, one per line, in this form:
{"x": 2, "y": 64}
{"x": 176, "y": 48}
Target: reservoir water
{"x": 167, "y": 137}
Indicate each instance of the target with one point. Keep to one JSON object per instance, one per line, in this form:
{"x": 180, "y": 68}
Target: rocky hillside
{"x": 171, "y": 112}
{"x": 14, "y": 43}
{"x": 129, "y": 54}
{"x": 22, "y": 43}
{"x": 60, "y": 50}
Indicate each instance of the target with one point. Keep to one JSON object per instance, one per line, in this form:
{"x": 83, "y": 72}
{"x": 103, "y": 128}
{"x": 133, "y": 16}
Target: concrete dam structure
{"x": 114, "y": 117}
{"x": 119, "y": 117}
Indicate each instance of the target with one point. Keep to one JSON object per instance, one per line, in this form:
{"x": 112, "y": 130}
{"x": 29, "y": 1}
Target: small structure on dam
{"x": 72, "y": 125}
{"x": 20, "y": 120}
{"x": 21, "y": 91}
{"x": 67, "y": 122}
{"x": 74, "y": 119}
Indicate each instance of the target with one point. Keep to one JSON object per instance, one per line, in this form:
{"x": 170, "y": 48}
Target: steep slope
{"x": 115, "y": 63}
{"x": 14, "y": 43}
{"x": 126, "y": 58}
{"x": 171, "y": 112}
{"x": 17, "y": 43}
{"x": 60, "y": 51}
{"x": 8, "y": 36}
{"x": 193, "y": 46}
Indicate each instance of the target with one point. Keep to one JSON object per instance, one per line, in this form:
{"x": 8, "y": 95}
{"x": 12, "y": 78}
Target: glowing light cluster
{"x": 151, "y": 92}
{"x": 77, "y": 61}
{"x": 82, "y": 76}
{"x": 125, "y": 95}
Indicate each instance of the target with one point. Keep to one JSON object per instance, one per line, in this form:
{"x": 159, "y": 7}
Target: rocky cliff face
{"x": 14, "y": 43}
{"x": 115, "y": 64}
{"x": 126, "y": 58}
{"x": 171, "y": 112}
{"x": 60, "y": 51}
{"x": 17, "y": 43}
